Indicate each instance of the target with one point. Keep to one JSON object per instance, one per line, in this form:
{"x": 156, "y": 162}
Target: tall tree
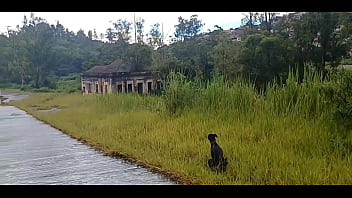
{"x": 250, "y": 20}
{"x": 95, "y": 35}
{"x": 164, "y": 61}
{"x": 317, "y": 39}
{"x": 188, "y": 28}
{"x": 90, "y": 35}
{"x": 123, "y": 30}
{"x": 226, "y": 56}
{"x": 194, "y": 26}
{"x": 19, "y": 65}
{"x": 59, "y": 30}
{"x": 266, "y": 57}
{"x": 110, "y": 35}
{"x": 139, "y": 30}
{"x": 80, "y": 34}
{"x": 5, "y": 58}
{"x": 138, "y": 56}
{"x": 266, "y": 20}
{"x": 38, "y": 37}
{"x": 155, "y": 38}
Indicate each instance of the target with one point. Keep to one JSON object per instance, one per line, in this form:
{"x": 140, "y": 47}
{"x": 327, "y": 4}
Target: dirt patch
{"x": 52, "y": 110}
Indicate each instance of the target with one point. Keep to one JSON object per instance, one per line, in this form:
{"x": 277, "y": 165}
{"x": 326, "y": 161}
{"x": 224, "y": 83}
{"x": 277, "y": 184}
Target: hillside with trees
{"x": 36, "y": 54}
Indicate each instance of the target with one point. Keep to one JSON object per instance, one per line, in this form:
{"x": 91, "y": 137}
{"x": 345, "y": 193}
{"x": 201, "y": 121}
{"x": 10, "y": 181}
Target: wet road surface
{"x": 32, "y": 152}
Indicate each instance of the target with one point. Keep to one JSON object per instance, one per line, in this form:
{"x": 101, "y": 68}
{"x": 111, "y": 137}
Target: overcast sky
{"x": 103, "y": 20}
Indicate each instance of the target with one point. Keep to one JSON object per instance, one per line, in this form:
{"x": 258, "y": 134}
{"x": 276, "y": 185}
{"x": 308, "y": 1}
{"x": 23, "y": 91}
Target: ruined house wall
{"x": 118, "y": 84}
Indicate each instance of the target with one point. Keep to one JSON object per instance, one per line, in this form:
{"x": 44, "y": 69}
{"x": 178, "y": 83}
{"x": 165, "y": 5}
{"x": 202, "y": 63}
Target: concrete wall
{"x": 110, "y": 85}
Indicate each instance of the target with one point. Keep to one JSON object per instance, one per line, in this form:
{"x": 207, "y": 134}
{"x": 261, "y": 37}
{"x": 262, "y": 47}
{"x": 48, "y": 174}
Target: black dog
{"x": 217, "y": 161}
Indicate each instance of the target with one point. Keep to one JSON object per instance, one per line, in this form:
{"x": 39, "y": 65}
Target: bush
{"x": 341, "y": 96}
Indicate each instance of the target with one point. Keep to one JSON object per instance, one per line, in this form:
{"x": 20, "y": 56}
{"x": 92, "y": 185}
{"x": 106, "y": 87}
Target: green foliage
{"x": 265, "y": 58}
{"x": 34, "y": 52}
{"x": 178, "y": 94}
{"x": 122, "y": 30}
{"x": 341, "y": 96}
{"x": 188, "y": 28}
{"x": 123, "y": 103}
{"x": 226, "y": 56}
{"x": 69, "y": 84}
{"x": 306, "y": 99}
{"x": 347, "y": 61}
{"x": 155, "y": 39}
{"x": 138, "y": 56}
{"x": 225, "y": 99}
{"x": 264, "y": 142}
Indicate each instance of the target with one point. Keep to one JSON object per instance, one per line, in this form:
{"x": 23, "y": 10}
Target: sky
{"x": 101, "y": 21}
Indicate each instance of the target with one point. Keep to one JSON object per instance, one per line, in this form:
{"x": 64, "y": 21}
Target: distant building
{"x": 296, "y": 15}
{"x": 233, "y": 34}
{"x": 117, "y": 77}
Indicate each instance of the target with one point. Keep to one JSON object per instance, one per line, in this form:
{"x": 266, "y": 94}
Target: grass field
{"x": 283, "y": 136}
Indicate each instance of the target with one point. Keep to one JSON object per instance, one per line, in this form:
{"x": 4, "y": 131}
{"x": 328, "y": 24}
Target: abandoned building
{"x": 118, "y": 77}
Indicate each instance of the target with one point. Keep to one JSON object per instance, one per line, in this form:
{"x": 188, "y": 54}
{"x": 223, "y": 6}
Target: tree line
{"x": 36, "y": 53}
{"x": 268, "y": 47}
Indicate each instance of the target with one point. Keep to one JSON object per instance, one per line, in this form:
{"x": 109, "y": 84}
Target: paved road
{"x": 32, "y": 152}
{"x": 12, "y": 96}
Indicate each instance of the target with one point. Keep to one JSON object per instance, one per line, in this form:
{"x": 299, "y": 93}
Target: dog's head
{"x": 211, "y": 137}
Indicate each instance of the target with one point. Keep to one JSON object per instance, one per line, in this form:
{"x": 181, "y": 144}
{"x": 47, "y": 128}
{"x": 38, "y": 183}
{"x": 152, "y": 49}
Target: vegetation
{"x": 36, "y": 54}
{"x": 276, "y": 124}
{"x": 286, "y": 135}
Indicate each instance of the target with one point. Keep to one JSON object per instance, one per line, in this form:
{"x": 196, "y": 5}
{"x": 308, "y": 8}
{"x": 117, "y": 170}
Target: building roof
{"x": 116, "y": 66}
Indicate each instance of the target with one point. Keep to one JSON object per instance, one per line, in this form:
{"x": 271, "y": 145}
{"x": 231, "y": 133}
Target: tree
{"x": 38, "y": 37}
{"x": 5, "y": 58}
{"x": 110, "y": 35}
{"x": 218, "y": 28}
{"x": 19, "y": 65}
{"x": 138, "y": 56}
{"x": 139, "y": 30}
{"x": 164, "y": 61}
{"x": 317, "y": 39}
{"x": 123, "y": 30}
{"x": 188, "y": 28}
{"x": 301, "y": 30}
{"x": 59, "y": 30}
{"x": 155, "y": 39}
{"x": 90, "y": 35}
{"x": 95, "y": 35}
{"x": 194, "y": 26}
{"x": 180, "y": 29}
{"x": 345, "y": 29}
{"x": 250, "y": 20}
{"x": 226, "y": 56}
{"x": 266, "y": 57}
{"x": 80, "y": 34}
{"x": 326, "y": 24}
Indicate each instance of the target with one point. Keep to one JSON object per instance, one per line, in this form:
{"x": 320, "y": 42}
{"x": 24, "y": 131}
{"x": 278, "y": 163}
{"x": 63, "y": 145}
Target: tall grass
{"x": 306, "y": 99}
{"x": 178, "y": 93}
{"x": 284, "y": 135}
